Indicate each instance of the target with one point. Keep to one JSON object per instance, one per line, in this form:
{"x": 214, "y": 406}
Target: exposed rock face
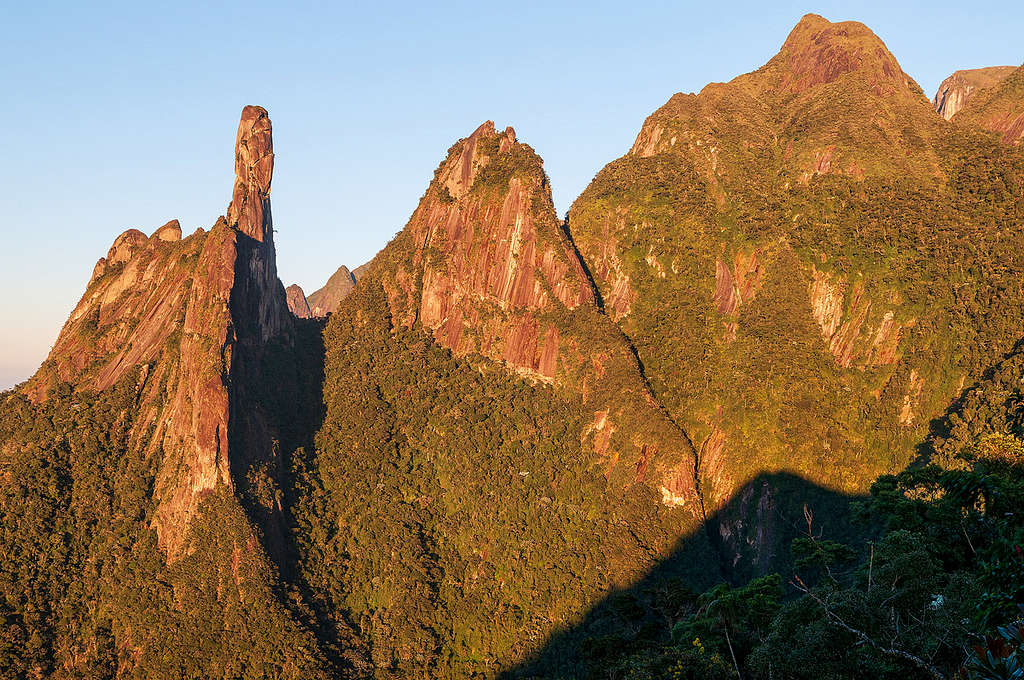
{"x": 486, "y": 268}
{"x": 297, "y": 303}
{"x": 712, "y": 285}
{"x": 735, "y": 287}
{"x": 261, "y": 310}
{"x": 326, "y": 300}
{"x": 819, "y": 52}
{"x": 249, "y": 211}
{"x": 358, "y": 272}
{"x": 955, "y": 91}
{"x": 169, "y": 232}
{"x": 848, "y": 337}
{"x": 999, "y": 108}
{"x": 196, "y": 315}
{"x": 501, "y": 261}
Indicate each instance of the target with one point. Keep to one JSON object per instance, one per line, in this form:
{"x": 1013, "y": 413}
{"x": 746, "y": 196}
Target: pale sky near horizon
{"x": 119, "y": 115}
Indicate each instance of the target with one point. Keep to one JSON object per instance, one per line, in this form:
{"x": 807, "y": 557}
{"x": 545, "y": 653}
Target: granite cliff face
{"x": 486, "y": 268}
{"x": 496, "y": 261}
{"x": 194, "y": 314}
{"x": 955, "y": 91}
{"x": 326, "y": 299}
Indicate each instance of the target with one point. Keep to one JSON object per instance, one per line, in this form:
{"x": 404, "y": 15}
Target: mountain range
{"x": 450, "y": 461}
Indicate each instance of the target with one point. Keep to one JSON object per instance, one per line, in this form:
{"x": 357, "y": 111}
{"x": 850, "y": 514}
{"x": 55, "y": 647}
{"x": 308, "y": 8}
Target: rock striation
{"x": 487, "y": 269}
{"x": 193, "y": 317}
{"x": 707, "y": 248}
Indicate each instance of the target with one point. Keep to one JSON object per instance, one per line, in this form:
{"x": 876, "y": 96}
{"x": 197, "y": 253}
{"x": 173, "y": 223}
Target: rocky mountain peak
{"x": 999, "y": 107}
{"x": 490, "y": 247}
{"x": 249, "y": 210}
{"x": 460, "y": 169}
{"x": 297, "y": 303}
{"x": 818, "y": 51}
{"x": 169, "y": 232}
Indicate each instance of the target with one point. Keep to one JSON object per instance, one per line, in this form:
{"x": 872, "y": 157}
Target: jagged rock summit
{"x": 955, "y": 91}
{"x": 786, "y": 113}
{"x": 249, "y": 210}
{"x": 487, "y": 269}
{"x": 819, "y": 52}
{"x": 185, "y": 315}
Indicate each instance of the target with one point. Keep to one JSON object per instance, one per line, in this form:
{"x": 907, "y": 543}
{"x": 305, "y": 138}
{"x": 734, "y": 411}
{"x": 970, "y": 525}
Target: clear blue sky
{"x": 118, "y": 115}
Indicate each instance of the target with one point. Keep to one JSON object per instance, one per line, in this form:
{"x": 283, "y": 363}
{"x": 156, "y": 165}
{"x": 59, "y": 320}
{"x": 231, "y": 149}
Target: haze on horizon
{"x": 124, "y": 116}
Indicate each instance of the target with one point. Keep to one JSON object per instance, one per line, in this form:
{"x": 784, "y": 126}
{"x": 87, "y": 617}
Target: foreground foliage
{"x": 946, "y": 569}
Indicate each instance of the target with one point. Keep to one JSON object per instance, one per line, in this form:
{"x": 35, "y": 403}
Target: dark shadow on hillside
{"x": 997, "y": 388}
{"x": 277, "y": 408}
{"x": 567, "y": 232}
{"x": 752, "y": 534}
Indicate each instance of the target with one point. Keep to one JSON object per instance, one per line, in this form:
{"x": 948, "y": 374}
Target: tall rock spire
{"x": 249, "y": 210}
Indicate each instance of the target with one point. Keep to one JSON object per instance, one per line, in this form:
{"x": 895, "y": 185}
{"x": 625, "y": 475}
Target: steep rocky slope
{"x": 486, "y": 421}
{"x": 955, "y": 91}
{"x": 151, "y": 412}
{"x": 764, "y": 246}
{"x": 515, "y": 437}
{"x": 999, "y": 108}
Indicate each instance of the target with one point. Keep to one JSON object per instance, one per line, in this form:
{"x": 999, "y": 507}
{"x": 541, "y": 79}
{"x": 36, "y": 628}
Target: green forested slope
{"x": 450, "y": 511}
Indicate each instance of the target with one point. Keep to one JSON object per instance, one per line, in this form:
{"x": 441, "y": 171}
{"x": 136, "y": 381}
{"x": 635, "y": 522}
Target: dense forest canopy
{"x": 753, "y": 410}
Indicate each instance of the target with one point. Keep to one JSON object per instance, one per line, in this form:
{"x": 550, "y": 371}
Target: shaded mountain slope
{"x": 516, "y": 437}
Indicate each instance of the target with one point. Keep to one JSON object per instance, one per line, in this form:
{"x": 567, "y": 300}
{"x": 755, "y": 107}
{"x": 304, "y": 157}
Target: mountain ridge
{"x": 509, "y": 424}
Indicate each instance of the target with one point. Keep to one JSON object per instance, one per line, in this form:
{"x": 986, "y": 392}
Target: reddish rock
{"x": 249, "y": 210}
{"x": 486, "y": 268}
{"x": 847, "y": 331}
{"x": 194, "y": 315}
{"x": 169, "y": 232}
{"x": 297, "y": 303}
{"x": 999, "y": 106}
{"x": 736, "y": 287}
{"x": 818, "y": 52}
{"x": 495, "y": 256}
{"x": 125, "y": 245}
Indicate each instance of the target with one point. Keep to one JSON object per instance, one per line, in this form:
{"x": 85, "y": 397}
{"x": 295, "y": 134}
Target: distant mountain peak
{"x": 956, "y": 90}
{"x": 297, "y": 303}
{"x": 999, "y": 107}
{"x": 326, "y": 300}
